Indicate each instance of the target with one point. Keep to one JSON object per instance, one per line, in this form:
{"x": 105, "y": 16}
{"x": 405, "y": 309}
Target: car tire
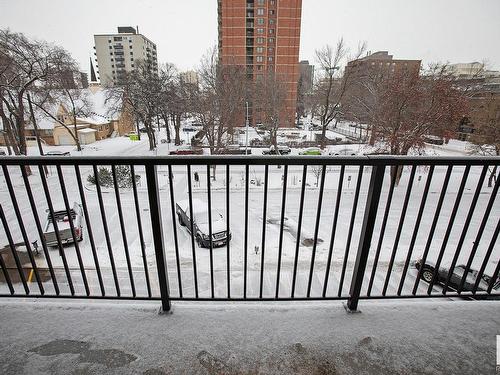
{"x": 427, "y": 274}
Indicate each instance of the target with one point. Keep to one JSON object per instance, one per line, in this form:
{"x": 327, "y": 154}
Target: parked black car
{"x": 456, "y": 277}
{"x": 220, "y": 237}
{"x": 282, "y": 150}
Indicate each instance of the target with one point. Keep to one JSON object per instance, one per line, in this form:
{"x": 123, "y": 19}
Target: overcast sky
{"x": 431, "y": 30}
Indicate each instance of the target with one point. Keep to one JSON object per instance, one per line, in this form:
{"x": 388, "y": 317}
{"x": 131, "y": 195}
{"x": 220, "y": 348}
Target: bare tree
{"x": 218, "y": 102}
{"x": 485, "y": 118}
{"x": 331, "y": 88}
{"x": 269, "y": 102}
{"x": 409, "y": 107}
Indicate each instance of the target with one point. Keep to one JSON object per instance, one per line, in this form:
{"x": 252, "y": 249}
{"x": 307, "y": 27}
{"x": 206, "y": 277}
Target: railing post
{"x": 157, "y": 230}
{"x": 370, "y": 216}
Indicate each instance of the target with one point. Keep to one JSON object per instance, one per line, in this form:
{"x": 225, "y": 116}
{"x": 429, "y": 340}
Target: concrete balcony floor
{"x": 401, "y": 337}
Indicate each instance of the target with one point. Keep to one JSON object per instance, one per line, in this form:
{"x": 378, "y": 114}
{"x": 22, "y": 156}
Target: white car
{"x": 343, "y": 152}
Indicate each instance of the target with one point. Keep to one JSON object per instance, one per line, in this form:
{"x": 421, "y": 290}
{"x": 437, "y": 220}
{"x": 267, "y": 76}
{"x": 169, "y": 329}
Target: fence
{"x": 299, "y": 228}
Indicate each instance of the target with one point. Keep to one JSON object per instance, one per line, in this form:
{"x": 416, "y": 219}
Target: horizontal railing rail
{"x": 265, "y": 228}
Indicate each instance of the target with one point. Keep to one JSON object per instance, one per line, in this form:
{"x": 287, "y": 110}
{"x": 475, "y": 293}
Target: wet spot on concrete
{"x": 106, "y": 357}
{"x": 57, "y": 347}
{"x": 299, "y": 348}
{"x": 211, "y": 363}
{"x": 365, "y": 341}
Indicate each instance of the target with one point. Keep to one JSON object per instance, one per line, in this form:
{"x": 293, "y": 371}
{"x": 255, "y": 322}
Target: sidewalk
{"x": 73, "y": 337}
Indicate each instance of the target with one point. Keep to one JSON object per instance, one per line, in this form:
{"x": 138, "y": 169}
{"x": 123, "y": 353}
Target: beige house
{"x": 97, "y": 124}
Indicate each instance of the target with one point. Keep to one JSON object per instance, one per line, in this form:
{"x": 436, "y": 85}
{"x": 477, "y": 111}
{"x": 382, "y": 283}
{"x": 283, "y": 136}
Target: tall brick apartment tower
{"x": 263, "y": 35}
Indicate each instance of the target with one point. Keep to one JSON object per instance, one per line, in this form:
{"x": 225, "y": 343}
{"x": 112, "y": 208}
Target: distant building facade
{"x": 117, "y": 54}
{"x": 306, "y": 78}
{"x": 263, "y": 36}
{"x": 190, "y": 77}
{"x": 374, "y": 67}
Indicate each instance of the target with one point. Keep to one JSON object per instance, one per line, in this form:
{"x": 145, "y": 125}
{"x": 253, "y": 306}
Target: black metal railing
{"x": 297, "y": 228}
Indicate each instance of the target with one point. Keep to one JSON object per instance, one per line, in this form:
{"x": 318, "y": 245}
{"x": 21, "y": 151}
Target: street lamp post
{"x": 246, "y": 131}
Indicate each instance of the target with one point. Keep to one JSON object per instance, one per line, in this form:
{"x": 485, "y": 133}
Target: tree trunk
{"x": 75, "y": 137}
{"x": 35, "y": 128}
{"x": 177, "y": 126}
{"x": 167, "y": 128}
{"x": 137, "y": 126}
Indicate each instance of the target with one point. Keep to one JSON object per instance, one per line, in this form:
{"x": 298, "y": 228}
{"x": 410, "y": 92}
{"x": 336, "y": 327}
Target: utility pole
{"x": 246, "y": 131}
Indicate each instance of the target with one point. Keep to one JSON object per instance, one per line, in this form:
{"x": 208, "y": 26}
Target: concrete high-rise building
{"x": 306, "y": 76}
{"x": 119, "y": 53}
{"x": 263, "y": 36}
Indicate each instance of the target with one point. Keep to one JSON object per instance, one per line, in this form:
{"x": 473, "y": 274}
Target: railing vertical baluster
{"x": 468, "y": 219}
{"x": 450, "y": 227}
{"x": 316, "y": 230}
{"x": 282, "y": 221}
{"x": 414, "y": 235}
{"x": 351, "y": 227}
{"x": 116, "y": 188}
{"x": 402, "y": 218}
{"x": 494, "y": 277}
{"x": 334, "y": 229}
{"x": 6, "y": 274}
{"x": 174, "y": 225}
{"x": 191, "y": 228}
{"x": 370, "y": 216}
{"x": 299, "y": 228}
{"x": 433, "y": 225}
{"x": 382, "y": 232}
{"x": 89, "y": 229}
{"x": 139, "y": 228}
{"x": 486, "y": 257}
{"x": 106, "y": 230}
{"x": 23, "y": 229}
{"x": 72, "y": 228}
{"x": 39, "y": 229}
{"x": 157, "y": 231}
{"x": 13, "y": 250}
{"x": 263, "y": 244}
{"x": 56, "y": 229}
{"x": 210, "y": 234}
{"x": 480, "y": 231}
{"x": 245, "y": 255}
{"x": 228, "y": 231}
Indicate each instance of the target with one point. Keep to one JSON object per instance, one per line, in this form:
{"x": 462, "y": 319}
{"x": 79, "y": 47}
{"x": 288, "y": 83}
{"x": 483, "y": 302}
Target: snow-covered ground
{"x": 123, "y": 146}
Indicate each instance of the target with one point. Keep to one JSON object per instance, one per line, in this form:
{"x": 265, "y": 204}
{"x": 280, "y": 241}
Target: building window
{"x": 261, "y": 2}
{"x": 271, "y": 21}
{"x": 272, "y": 2}
{"x": 271, "y": 40}
{"x": 112, "y": 66}
{"x": 130, "y": 47}
{"x": 260, "y": 11}
{"x": 270, "y": 50}
{"x": 271, "y": 31}
{"x": 260, "y": 40}
{"x": 260, "y": 21}
{"x": 259, "y": 67}
{"x": 110, "y": 47}
{"x": 260, "y": 59}
{"x": 260, "y": 31}
{"x": 117, "y": 38}
{"x": 270, "y": 58}
{"x": 112, "y": 60}
{"x": 260, "y": 49}
{"x": 272, "y": 12}
{"x": 111, "y": 53}
{"x": 131, "y": 53}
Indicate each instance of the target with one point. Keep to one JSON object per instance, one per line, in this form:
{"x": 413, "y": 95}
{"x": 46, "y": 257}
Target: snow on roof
{"x": 87, "y": 130}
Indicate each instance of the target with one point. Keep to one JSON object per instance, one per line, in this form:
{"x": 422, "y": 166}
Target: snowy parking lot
{"x": 254, "y": 248}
